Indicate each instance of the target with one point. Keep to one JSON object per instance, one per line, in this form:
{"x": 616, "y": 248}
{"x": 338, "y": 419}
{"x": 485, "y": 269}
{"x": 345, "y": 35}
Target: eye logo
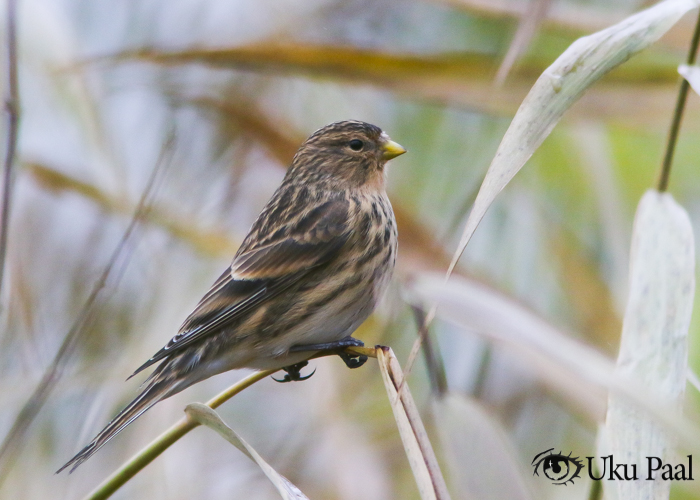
{"x": 558, "y": 468}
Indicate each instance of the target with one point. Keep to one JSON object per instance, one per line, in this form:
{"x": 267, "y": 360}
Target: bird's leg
{"x": 329, "y": 346}
{"x": 350, "y": 360}
{"x": 294, "y": 373}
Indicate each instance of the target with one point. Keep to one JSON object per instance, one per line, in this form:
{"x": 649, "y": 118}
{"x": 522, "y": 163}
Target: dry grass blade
{"x": 692, "y": 75}
{"x": 529, "y": 23}
{"x": 12, "y": 109}
{"x": 274, "y": 136}
{"x": 560, "y": 86}
{"x": 654, "y": 345}
{"x": 325, "y": 60}
{"x": 53, "y": 373}
{"x": 419, "y": 451}
{"x": 204, "y": 415}
{"x": 213, "y": 243}
{"x": 133, "y": 466}
{"x": 456, "y": 78}
{"x": 563, "y": 16}
{"x": 578, "y": 372}
{"x": 419, "y": 248}
{"x": 481, "y": 456}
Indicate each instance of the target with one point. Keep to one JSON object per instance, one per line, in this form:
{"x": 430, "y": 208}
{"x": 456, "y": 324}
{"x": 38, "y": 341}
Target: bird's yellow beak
{"x": 391, "y": 149}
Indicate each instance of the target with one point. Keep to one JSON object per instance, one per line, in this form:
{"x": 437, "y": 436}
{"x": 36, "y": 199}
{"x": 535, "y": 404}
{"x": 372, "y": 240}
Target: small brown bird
{"x": 311, "y": 270}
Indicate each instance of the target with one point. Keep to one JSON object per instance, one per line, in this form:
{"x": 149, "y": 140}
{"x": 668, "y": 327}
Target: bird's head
{"x": 345, "y": 154}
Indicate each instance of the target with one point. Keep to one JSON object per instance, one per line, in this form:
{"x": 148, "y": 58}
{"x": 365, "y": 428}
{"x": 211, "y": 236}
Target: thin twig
{"x": 12, "y": 108}
{"x": 678, "y": 113}
{"x": 55, "y": 370}
{"x": 144, "y": 457}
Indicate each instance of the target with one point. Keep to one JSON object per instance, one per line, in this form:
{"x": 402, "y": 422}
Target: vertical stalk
{"x": 12, "y": 109}
{"x": 678, "y": 113}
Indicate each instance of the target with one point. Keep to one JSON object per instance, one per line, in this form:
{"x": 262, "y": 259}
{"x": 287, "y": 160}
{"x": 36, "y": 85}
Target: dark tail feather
{"x": 156, "y": 390}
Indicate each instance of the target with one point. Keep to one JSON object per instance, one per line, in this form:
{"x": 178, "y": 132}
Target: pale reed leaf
{"x": 419, "y": 451}
{"x": 654, "y": 344}
{"x": 209, "y": 418}
{"x": 692, "y": 74}
{"x": 576, "y": 370}
{"x": 558, "y": 88}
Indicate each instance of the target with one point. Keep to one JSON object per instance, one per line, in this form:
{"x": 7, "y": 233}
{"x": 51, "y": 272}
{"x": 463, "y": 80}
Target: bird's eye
{"x": 356, "y": 144}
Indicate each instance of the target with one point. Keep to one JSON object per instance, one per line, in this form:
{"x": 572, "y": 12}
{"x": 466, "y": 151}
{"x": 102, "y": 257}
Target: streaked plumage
{"x": 311, "y": 270}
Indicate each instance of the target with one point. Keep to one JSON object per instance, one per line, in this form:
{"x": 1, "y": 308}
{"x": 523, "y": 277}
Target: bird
{"x": 312, "y": 268}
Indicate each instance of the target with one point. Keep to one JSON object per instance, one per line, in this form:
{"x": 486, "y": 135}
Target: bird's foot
{"x": 350, "y": 360}
{"x": 294, "y": 373}
{"x": 353, "y": 360}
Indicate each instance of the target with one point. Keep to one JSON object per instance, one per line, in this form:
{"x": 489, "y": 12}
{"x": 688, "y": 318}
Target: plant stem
{"x": 144, "y": 457}
{"x": 596, "y": 491}
{"x": 433, "y": 360}
{"x": 165, "y": 440}
{"x": 12, "y": 108}
{"x": 678, "y": 113}
{"x": 53, "y": 373}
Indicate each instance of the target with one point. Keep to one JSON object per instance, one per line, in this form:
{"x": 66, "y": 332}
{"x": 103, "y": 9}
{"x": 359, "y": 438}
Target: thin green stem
{"x": 596, "y": 491}
{"x": 678, "y": 114}
{"x": 144, "y": 457}
{"x": 165, "y": 440}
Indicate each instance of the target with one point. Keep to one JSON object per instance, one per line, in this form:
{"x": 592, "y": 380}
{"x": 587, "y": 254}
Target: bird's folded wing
{"x": 260, "y": 273}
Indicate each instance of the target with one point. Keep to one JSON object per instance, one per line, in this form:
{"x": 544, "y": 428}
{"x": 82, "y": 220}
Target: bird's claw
{"x": 294, "y": 373}
{"x": 353, "y": 360}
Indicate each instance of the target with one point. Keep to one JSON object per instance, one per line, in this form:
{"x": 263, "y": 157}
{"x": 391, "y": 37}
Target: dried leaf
{"x": 578, "y": 372}
{"x": 208, "y": 417}
{"x": 560, "y": 86}
{"x": 654, "y": 344}
{"x": 419, "y": 248}
{"x": 214, "y": 243}
{"x": 563, "y": 16}
{"x": 454, "y": 77}
{"x": 419, "y": 451}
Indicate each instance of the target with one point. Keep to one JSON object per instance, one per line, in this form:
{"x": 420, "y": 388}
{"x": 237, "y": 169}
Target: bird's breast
{"x": 373, "y": 253}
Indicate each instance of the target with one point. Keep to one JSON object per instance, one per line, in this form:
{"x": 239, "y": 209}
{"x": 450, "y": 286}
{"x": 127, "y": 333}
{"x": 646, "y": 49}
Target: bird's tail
{"x": 157, "y": 389}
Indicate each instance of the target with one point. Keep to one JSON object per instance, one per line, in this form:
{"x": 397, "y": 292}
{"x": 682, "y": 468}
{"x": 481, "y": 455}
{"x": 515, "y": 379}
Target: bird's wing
{"x": 260, "y": 273}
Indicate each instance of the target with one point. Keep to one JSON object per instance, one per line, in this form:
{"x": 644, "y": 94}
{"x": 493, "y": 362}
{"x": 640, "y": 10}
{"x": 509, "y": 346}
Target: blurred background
{"x": 225, "y": 91}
